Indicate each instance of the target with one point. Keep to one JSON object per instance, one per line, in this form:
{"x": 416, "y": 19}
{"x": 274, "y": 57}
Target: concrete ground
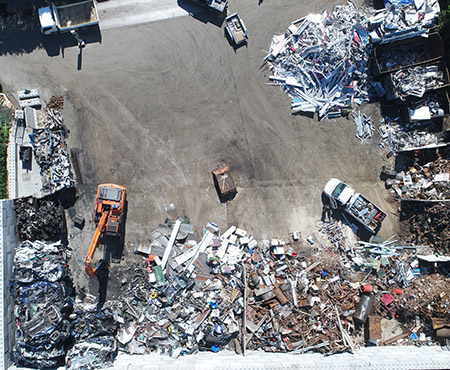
{"x": 156, "y": 106}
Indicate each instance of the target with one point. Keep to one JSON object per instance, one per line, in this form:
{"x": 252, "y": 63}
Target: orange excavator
{"x": 109, "y": 218}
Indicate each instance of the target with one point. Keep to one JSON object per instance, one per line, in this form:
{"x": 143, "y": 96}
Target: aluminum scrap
{"x": 417, "y": 80}
{"x": 364, "y": 125}
{"x": 398, "y": 138}
{"x": 321, "y": 61}
{"x": 403, "y": 19}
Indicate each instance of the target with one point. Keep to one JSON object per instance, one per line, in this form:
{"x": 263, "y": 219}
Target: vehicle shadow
{"x": 202, "y": 14}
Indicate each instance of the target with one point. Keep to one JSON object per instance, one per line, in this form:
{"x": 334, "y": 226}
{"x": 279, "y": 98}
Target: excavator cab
{"x": 109, "y": 218}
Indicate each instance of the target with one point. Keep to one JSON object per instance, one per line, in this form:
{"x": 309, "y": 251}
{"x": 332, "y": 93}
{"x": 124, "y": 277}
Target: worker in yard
{"x": 326, "y": 211}
{"x": 326, "y": 208}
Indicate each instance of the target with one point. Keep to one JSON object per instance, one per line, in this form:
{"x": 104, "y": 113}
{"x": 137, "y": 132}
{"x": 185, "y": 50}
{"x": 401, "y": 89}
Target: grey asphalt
{"x": 155, "y": 107}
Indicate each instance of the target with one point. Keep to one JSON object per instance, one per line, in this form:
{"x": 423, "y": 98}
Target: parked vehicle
{"x": 236, "y": 29}
{"x": 68, "y": 18}
{"x": 355, "y": 204}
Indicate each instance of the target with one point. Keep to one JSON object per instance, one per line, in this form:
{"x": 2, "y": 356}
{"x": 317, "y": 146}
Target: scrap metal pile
{"x": 43, "y": 295}
{"x": 95, "y": 343}
{"x": 398, "y": 137}
{"x": 399, "y": 16}
{"x": 321, "y": 61}
{"x": 415, "y": 81}
{"x": 428, "y": 182}
{"x": 226, "y": 291}
{"x": 230, "y": 292}
{"x": 51, "y": 154}
{"x": 427, "y": 223}
{"x": 432, "y": 106}
{"x": 39, "y": 219}
{"x": 403, "y": 55}
{"x": 197, "y": 304}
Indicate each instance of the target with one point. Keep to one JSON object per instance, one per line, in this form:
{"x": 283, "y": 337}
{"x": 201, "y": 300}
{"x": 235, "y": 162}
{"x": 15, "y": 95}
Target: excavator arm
{"x": 94, "y": 244}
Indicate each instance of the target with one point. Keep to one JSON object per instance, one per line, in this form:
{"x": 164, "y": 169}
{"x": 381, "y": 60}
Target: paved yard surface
{"x": 156, "y": 106}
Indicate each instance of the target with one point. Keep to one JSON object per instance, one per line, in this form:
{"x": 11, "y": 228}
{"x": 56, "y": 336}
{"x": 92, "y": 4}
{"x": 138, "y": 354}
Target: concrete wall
{"x": 8, "y": 240}
{"x": 374, "y": 358}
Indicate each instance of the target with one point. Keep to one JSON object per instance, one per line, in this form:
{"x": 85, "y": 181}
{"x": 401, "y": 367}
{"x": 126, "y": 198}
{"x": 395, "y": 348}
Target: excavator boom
{"x": 109, "y": 208}
{"x": 94, "y": 244}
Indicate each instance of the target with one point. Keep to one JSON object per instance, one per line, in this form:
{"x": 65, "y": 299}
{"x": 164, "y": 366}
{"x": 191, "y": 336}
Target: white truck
{"x": 358, "y": 206}
{"x": 68, "y": 18}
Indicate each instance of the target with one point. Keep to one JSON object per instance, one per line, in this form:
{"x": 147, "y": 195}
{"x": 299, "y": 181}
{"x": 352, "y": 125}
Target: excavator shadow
{"x": 113, "y": 247}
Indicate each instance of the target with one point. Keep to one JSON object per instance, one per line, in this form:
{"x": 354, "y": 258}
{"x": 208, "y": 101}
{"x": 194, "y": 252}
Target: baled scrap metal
{"x": 321, "y": 61}
{"x": 43, "y": 298}
{"x": 39, "y": 219}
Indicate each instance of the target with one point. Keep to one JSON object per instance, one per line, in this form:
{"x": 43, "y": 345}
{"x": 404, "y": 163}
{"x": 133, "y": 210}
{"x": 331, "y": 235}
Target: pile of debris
{"x": 39, "y": 219}
{"x": 364, "y": 126}
{"x": 415, "y": 81}
{"x": 230, "y": 292}
{"x": 95, "y": 343}
{"x": 51, "y": 154}
{"x": 397, "y": 137}
{"x": 428, "y": 182}
{"x": 401, "y": 18}
{"x": 187, "y": 296}
{"x": 430, "y": 107}
{"x": 321, "y": 61}
{"x": 403, "y": 55}
{"x": 43, "y": 295}
{"x": 427, "y": 223}
{"x": 56, "y": 103}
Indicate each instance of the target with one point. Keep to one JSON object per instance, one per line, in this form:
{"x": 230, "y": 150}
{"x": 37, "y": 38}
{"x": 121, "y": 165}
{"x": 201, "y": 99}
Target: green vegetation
{"x": 5, "y": 122}
{"x": 444, "y": 27}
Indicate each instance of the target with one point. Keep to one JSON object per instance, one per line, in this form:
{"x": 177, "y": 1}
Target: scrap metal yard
{"x": 157, "y": 97}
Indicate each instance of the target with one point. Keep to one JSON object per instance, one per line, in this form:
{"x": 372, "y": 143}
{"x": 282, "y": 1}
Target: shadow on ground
{"x": 202, "y": 14}
{"x": 113, "y": 247}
